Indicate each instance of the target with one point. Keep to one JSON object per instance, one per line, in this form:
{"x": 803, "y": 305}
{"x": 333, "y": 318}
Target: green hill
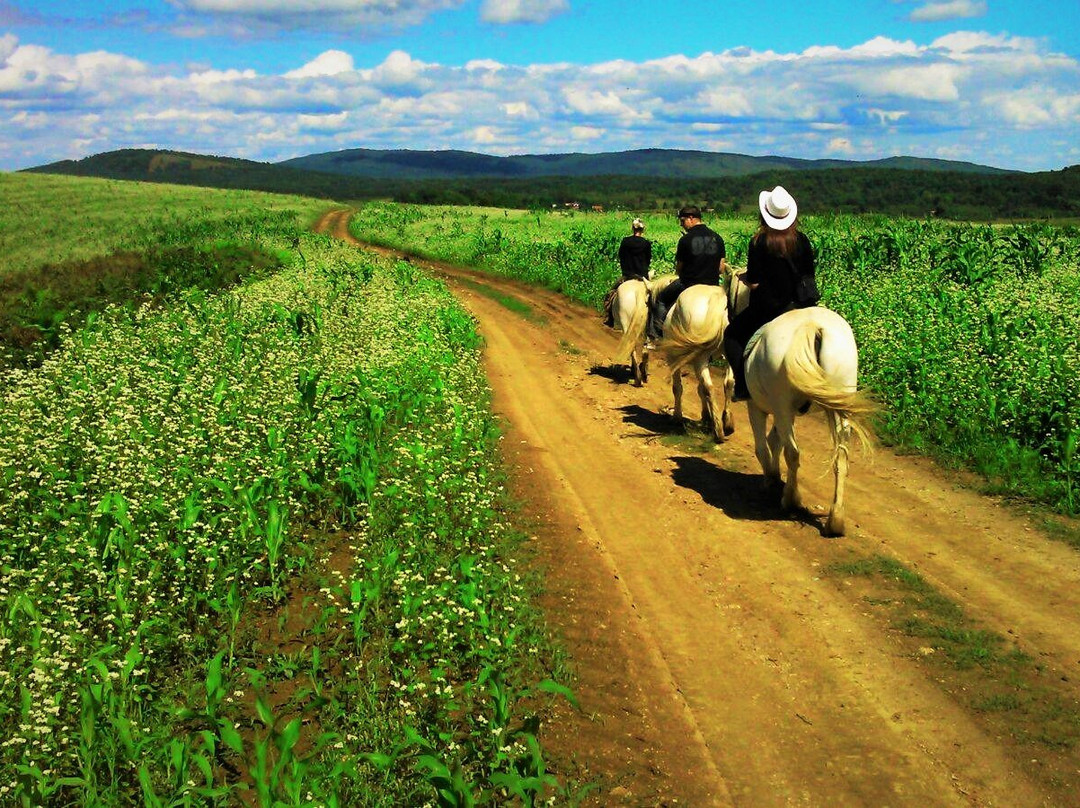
{"x": 181, "y": 168}
{"x": 649, "y": 179}
{"x": 672, "y": 163}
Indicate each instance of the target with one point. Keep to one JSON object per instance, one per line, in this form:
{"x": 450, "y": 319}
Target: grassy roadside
{"x": 259, "y": 551}
{"x": 73, "y": 247}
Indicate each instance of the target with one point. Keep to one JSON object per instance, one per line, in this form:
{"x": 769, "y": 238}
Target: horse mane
{"x": 687, "y": 339}
{"x": 659, "y": 284}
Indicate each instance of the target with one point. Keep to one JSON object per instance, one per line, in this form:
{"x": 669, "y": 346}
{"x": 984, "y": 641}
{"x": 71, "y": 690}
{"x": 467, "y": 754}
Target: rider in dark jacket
{"x": 635, "y": 253}
{"x": 779, "y": 254}
{"x": 635, "y": 256}
{"x": 697, "y": 260}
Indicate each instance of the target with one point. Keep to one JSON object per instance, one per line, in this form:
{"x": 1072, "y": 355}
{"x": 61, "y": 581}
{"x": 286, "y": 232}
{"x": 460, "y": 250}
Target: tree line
{"x": 891, "y": 191}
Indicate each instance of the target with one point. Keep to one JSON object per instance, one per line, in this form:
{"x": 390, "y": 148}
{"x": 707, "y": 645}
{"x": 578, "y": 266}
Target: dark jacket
{"x": 776, "y": 274}
{"x": 699, "y": 253}
{"x": 635, "y": 256}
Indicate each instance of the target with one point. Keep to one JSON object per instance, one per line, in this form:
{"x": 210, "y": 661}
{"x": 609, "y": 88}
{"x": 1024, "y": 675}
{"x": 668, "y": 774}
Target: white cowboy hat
{"x": 777, "y": 207}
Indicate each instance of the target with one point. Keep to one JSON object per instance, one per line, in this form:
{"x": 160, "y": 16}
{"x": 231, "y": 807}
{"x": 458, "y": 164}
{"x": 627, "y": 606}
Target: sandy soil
{"x": 716, "y": 664}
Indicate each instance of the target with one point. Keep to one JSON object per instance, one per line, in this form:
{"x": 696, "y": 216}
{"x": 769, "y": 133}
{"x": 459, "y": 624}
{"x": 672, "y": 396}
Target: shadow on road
{"x": 619, "y": 374}
{"x": 738, "y": 494}
{"x": 656, "y": 423}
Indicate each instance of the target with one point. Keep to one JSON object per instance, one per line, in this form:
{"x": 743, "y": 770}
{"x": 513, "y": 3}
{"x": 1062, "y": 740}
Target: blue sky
{"x": 981, "y": 80}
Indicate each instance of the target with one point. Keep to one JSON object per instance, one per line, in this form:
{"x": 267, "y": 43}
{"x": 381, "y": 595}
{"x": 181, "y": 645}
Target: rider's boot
{"x": 734, "y": 352}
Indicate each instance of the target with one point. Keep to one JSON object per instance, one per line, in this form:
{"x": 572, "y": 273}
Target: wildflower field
{"x": 255, "y": 547}
{"x": 968, "y": 334}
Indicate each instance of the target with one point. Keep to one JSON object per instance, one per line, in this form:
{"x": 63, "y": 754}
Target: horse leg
{"x": 759, "y": 424}
{"x": 708, "y": 403}
{"x": 728, "y": 389}
{"x": 644, "y": 365}
{"x": 841, "y": 432}
{"x": 785, "y": 427}
{"x": 635, "y": 367}
{"x": 774, "y": 455}
{"x": 677, "y": 393}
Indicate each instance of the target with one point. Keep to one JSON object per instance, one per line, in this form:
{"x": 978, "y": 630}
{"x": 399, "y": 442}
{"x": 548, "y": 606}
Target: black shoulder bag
{"x": 806, "y": 292}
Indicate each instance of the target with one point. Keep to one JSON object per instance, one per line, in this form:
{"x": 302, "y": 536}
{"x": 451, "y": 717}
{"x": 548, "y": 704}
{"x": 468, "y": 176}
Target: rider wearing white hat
{"x": 778, "y": 258}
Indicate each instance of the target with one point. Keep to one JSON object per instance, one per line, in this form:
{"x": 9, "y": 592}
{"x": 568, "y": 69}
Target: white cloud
{"x": 482, "y": 64}
{"x": 881, "y": 97}
{"x": 939, "y": 10}
{"x": 268, "y": 15}
{"x": 220, "y": 76}
{"x": 840, "y": 145}
{"x": 519, "y": 109}
{"x": 967, "y": 43}
{"x": 397, "y": 70}
{"x": 602, "y": 103}
{"x": 586, "y": 132}
{"x": 328, "y": 63}
{"x": 323, "y": 123}
{"x": 483, "y": 135}
{"x": 932, "y": 82}
{"x": 886, "y": 116}
{"x": 8, "y": 44}
{"x": 521, "y": 11}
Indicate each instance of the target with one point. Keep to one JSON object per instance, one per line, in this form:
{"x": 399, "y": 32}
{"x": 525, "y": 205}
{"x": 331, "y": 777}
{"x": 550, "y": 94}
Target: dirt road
{"x": 718, "y": 663}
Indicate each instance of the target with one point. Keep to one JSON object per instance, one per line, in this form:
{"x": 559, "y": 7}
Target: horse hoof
{"x": 728, "y": 430}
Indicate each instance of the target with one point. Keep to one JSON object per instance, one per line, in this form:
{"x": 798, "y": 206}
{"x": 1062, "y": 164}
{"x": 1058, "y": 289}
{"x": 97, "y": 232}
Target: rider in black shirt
{"x": 635, "y": 256}
{"x": 697, "y": 260}
{"x": 635, "y": 253}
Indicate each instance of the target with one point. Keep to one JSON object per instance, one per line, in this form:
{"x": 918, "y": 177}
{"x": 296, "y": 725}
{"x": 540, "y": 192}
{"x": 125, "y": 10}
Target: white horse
{"x": 693, "y": 335}
{"x": 630, "y": 311}
{"x": 804, "y": 356}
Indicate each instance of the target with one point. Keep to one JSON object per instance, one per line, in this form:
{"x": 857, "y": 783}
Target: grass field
{"x": 256, "y": 542}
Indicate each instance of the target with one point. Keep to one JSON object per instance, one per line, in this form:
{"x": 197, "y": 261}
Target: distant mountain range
{"x": 407, "y": 164}
{"x": 642, "y": 179}
{"x": 671, "y": 163}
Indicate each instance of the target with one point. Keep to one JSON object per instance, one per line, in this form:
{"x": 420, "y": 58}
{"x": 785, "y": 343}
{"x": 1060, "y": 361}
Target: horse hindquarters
{"x": 631, "y": 312}
{"x": 693, "y": 334}
{"x": 822, "y": 364}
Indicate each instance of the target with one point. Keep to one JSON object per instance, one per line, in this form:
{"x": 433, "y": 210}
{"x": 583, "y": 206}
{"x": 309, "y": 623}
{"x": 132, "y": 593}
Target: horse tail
{"x": 686, "y": 341}
{"x": 806, "y": 375}
{"x": 634, "y": 333}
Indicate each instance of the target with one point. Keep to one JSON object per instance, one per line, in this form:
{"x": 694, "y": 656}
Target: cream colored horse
{"x": 694, "y": 335}
{"x": 804, "y": 356}
{"x": 630, "y": 311}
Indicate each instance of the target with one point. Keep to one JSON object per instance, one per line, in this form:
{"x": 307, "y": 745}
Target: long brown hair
{"x": 777, "y": 242}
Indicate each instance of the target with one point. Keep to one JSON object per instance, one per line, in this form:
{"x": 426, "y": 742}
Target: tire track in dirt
{"x": 719, "y": 667}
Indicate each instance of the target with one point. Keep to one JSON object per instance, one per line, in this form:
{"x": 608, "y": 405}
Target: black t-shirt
{"x": 635, "y": 255}
{"x": 775, "y": 274}
{"x": 700, "y": 251}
